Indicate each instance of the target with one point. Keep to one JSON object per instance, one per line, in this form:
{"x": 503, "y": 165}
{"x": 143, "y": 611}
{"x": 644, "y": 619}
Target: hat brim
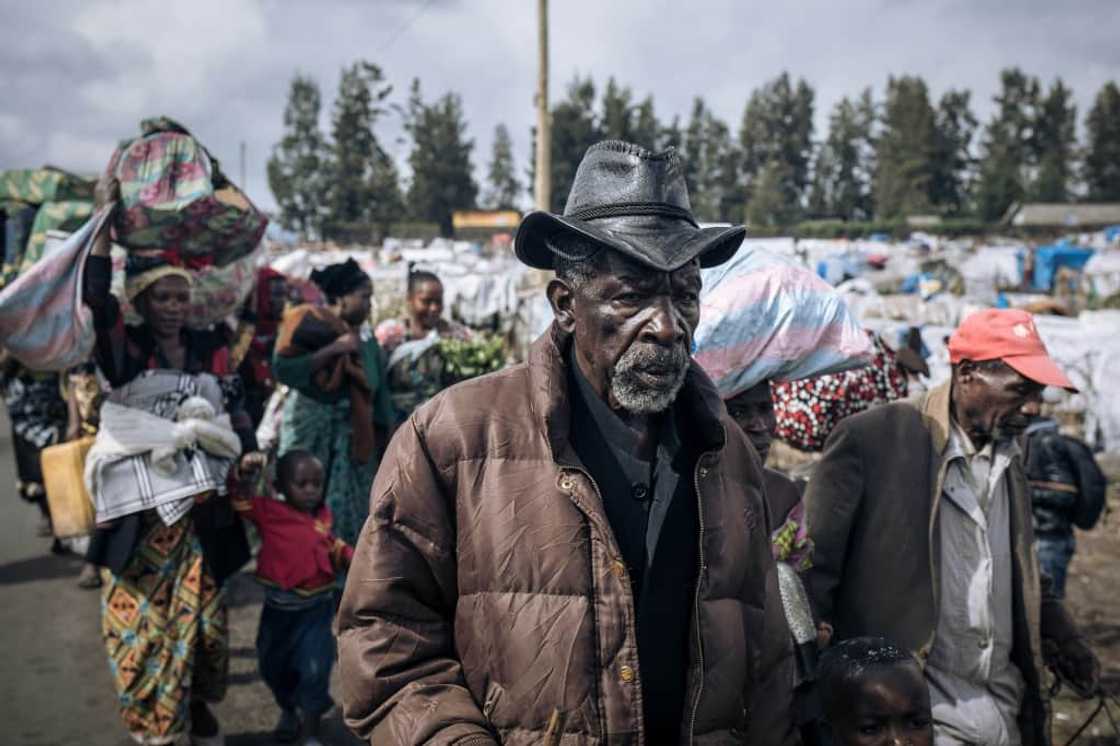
{"x": 1041, "y": 369}
{"x": 665, "y": 244}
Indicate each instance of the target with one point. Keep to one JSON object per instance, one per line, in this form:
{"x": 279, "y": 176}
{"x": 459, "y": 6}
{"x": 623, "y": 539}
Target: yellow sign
{"x": 490, "y": 219}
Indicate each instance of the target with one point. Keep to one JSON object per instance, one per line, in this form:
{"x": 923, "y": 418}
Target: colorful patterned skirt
{"x": 165, "y": 629}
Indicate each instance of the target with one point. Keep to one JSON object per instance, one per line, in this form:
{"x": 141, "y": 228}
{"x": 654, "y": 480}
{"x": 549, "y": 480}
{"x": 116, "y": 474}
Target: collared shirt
{"x": 975, "y": 689}
{"x": 652, "y": 483}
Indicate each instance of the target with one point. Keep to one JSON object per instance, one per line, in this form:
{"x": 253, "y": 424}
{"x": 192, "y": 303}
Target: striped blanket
{"x": 43, "y": 322}
{"x": 164, "y": 439}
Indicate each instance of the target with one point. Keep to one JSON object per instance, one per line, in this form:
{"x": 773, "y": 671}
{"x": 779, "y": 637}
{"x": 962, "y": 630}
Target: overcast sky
{"x": 77, "y": 76}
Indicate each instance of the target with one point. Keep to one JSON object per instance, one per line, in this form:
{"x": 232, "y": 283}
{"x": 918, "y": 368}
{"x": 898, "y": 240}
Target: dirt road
{"x": 55, "y": 689}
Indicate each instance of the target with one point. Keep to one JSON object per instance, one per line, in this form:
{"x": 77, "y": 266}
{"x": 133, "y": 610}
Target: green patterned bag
{"x": 47, "y": 184}
{"x": 52, "y": 216}
{"x": 18, "y": 219}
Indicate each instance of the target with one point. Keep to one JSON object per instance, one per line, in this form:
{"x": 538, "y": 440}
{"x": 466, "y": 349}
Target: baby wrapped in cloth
{"x": 164, "y": 439}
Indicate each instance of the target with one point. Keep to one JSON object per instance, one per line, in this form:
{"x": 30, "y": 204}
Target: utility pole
{"x": 242, "y": 183}
{"x": 542, "y": 190}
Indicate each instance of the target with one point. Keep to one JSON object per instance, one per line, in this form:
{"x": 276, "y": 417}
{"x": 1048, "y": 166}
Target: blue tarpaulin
{"x": 1049, "y": 259}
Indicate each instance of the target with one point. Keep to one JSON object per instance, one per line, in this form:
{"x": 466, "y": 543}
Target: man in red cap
{"x": 921, "y": 518}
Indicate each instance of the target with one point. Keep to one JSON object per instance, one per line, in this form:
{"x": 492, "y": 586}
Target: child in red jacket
{"x": 298, "y": 563}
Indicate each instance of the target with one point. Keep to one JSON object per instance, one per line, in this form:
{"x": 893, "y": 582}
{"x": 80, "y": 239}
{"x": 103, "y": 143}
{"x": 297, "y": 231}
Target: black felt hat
{"x": 634, "y": 201}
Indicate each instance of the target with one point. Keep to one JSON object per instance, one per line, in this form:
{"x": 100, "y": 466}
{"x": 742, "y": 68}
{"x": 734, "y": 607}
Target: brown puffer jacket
{"x": 487, "y": 600}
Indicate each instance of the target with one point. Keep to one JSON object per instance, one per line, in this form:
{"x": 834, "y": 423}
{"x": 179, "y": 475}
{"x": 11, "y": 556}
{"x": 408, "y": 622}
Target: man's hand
{"x": 824, "y": 635}
{"x": 251, "y": 464}
{"x": 107, "y": 192}
{"x": 1075, "y": 664}
{"x": 347, "y": 344}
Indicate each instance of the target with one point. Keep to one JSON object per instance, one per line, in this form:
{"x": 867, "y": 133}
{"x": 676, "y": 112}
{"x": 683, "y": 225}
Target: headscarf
{"x": 141, "y": 271}
{"x": 336, "y": 280}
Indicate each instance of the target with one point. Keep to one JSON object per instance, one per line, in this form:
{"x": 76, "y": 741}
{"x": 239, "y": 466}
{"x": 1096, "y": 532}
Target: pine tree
{"x": 769, "y": 206}
{"x": 1054, "y": 143}
{"x": 622, "y": 119}
{"x": 778, "y": 126}
{"x": 364, "y": 195}
{"x": 845, "y": 162}
{"x": 295, "y": 170}
{"x": 953, "y": 163}
{"x": 442, "y": 173}
{"x": 574, "y": 130}
{"x": 646, "y": 130}
{"x": 1102, "y": 156}
{"x": 905, "y": 150}
{"x": 711, "y": 167}
{"x": 615, "y": 112}
{"x": 504, "y": 185}
{"x": 1006, "y": 166}
{"x": 671, "y": 135}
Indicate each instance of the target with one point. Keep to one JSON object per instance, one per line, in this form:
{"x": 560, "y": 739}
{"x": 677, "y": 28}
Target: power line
{"x": 404, "y": 27}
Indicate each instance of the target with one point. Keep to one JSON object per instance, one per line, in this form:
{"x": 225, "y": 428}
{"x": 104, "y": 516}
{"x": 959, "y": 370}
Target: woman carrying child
{"x": 298, "y": 563}
{"x": 339, "y": 401}
{"x": 167, "y": 539}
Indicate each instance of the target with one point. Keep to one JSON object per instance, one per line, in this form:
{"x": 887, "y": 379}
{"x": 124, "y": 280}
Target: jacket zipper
{"x": 594, "y": 619}
{"x": 696, "y": 606}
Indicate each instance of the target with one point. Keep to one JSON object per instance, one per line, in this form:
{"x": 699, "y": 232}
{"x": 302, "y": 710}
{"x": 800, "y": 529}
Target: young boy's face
{"x": 887, "y": 706}
{"x": 304, "y": 489}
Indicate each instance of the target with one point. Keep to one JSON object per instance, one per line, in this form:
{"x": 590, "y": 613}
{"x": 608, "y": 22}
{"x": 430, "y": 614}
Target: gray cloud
{"x": 75, "y": 78}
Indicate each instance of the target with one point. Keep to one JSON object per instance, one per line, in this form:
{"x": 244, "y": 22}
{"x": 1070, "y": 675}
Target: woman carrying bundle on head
{"x": 171, "y": 430}
{"x": 339, "y": 408}
{"x": 415, "y": 369}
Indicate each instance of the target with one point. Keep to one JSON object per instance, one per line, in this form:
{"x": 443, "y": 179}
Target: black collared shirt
{"x": 652, "y": 484}
{"x": 652, "y": 510}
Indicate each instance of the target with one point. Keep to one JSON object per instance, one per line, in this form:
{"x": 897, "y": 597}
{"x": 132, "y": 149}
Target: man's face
{"x": 996, "y": 401}
{"x": 753, "y": 411}
{"x": 887, "y": 706}
{"x": 633, "y": 330}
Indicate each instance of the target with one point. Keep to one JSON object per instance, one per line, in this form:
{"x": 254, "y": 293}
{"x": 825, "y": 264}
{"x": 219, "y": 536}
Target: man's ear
{"x": 562, "y": 299}
{"x": 966, "y": 371}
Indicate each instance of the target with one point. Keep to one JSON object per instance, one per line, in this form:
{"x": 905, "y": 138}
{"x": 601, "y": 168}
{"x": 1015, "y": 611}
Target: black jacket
{"x": 1067, "y": 486}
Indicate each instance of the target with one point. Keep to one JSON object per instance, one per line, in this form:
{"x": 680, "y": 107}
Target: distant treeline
{"x": 880, "y": 161}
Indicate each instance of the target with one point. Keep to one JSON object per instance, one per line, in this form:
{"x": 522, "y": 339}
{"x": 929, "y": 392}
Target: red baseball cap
{"x": 1011, "y": 336}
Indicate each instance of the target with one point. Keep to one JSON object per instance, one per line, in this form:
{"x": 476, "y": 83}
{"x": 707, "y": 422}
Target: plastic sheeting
{"x": 764, "y": 317}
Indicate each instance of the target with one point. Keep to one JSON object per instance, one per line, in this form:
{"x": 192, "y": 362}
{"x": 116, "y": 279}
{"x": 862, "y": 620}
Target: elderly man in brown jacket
{"x": 921, "y": 518}
{"x": 573, "y": 550}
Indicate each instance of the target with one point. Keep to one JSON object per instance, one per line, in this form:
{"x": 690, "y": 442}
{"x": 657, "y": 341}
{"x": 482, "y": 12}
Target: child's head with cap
{"x": 874, "y": 694}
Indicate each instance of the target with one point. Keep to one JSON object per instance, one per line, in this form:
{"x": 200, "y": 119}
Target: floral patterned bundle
{"x": 175, "y": 197}
{"x": 809, "y": 409}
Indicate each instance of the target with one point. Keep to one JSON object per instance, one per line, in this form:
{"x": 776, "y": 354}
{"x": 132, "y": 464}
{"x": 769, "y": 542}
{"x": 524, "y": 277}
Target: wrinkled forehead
{"x": 617, "y": 266}
{"x": 998, "y": 374}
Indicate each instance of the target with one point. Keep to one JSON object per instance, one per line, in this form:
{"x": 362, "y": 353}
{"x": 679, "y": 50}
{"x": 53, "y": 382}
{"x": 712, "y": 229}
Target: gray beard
{"x": 633, "y": 390}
